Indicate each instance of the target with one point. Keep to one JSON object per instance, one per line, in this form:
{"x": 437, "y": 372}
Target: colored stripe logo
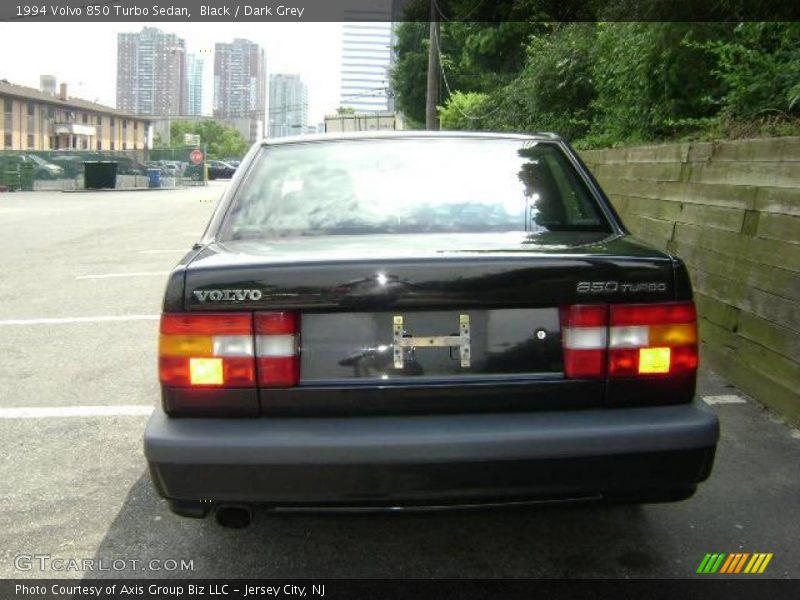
{"x": 739, "y": 562}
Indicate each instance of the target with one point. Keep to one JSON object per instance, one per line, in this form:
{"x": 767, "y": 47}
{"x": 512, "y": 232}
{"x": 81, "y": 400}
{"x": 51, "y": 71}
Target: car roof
{"x": 379, "y": 135}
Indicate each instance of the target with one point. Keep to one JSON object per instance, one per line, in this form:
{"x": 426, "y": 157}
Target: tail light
{"x": 215, "y": 363}
{"x": 652, "y": 339}
{"x": 229, "y": 350}
{"x": 277, "y": 349}
{"x": 629, "y": 340}
{"x": 584, "y": 331}
{"x": 207, "y": 350}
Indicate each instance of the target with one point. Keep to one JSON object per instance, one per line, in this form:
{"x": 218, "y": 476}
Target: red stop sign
{"x": 196, "y": 156}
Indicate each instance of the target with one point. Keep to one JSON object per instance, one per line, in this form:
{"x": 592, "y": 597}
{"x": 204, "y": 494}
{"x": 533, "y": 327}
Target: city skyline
{"x": 91, "y": 70}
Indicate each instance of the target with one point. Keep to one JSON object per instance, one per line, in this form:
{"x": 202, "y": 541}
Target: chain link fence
{"x": 66, "y": 170}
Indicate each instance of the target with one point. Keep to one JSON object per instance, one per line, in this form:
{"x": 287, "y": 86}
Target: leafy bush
{"x": 654, "y": 80}
{"x": 760, "y": 66}
{"x": 464, "y": 111}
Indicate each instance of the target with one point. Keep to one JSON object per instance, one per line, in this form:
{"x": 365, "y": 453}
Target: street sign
{"x": 196, "y": 156}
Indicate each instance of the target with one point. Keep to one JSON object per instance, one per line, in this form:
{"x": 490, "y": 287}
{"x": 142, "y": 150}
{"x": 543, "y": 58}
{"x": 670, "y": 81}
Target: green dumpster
{"x": 10, "y": 179}
{"x": 100, "y": 174}
{"x": 27, "y": 172}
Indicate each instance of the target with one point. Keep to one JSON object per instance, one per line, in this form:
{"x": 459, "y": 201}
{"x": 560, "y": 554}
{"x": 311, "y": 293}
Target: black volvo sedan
{"x": 423, "y": 320}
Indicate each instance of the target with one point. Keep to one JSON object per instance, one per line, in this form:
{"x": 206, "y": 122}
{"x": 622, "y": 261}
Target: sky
{"x": 85, "y": 55}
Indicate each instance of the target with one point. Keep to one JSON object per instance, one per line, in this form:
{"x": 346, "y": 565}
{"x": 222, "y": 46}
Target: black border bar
{"x": 289, "y": 11}
{"x": 712, "y": 588}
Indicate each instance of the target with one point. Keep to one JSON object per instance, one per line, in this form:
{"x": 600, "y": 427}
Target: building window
{"x": 135, "y": 146}
{"x": 99, "y": 145}
{"x": 7, "y": 140}
{"x": 85, "y": 118}
{"x": 124, "y": 145}
{"x": 112, "y": 146}
{"x": 135, "y": 125}
{"x": 125, "y": 123}
{"x": 8, "y": 105}
{"x": 111, "y": 122}
{"x": 31, "y": 109}
{"x": 31, "y": 141}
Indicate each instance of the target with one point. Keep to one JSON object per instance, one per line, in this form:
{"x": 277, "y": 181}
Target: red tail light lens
{"x": 584, "y": 331}
{"x": 277, "y": 349}
{"x": 206, "y": 350}
{"x": 652, "y": 314}
{"x": 629, "y": 340}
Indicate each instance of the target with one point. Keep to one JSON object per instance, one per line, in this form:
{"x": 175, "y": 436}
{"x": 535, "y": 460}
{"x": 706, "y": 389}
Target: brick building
{"x": 34, "y": 120}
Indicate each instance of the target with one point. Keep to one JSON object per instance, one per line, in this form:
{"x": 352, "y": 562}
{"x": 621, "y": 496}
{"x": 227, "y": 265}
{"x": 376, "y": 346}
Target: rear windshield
{"x": 411, "y": 185}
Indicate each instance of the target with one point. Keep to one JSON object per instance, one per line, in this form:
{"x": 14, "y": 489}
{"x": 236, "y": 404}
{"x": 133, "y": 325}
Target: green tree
{"x": 475, "y": 57}
{"x": 555, "y": 90}
{"x": 222, "y": 141}
{"x": 408, "y": 76}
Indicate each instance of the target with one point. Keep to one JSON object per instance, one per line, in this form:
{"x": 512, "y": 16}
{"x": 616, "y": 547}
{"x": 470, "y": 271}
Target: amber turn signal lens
{"x": 206, "y": 371}
{"x": 654, "y": 360}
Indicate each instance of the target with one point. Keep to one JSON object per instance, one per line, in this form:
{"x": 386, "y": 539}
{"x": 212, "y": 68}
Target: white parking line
{"x": 725, "y": 399}
{"x": 68, "y": 320}
{"x": 112, "y": 275}
{"x": 31, "y": 412}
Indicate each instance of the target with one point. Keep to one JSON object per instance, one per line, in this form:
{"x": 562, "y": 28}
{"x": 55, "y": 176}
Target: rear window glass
{"x": 411, "y": 185}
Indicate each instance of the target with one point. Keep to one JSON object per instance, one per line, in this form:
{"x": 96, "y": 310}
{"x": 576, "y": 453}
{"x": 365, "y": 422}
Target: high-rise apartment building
{"x": 367, "y": 57}
{"x": 151, "y": 73}
{"x": 194, "y": 85}
{"x": 240, "y": 84}
{"x": 288, "y": 105}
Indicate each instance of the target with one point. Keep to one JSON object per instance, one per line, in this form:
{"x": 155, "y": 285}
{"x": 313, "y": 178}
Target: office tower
{"x": 367, "y": 56}
{"x": 194, "y": 85}
{"x": 240, "y": 80}
{"x": 151, "y": 73}
{"x": 288, "y": 105}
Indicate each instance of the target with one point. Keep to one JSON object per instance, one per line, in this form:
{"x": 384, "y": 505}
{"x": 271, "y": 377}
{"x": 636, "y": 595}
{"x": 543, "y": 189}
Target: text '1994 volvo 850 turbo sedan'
{"x": 424, "y": 320}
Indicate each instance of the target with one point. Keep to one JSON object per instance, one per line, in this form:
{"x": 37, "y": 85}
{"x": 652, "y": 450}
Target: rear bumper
{"x": 430, "y": 459}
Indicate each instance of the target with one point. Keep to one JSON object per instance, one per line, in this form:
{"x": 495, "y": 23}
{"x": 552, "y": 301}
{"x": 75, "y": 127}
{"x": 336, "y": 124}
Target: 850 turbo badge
{"x": 617, "y": 287}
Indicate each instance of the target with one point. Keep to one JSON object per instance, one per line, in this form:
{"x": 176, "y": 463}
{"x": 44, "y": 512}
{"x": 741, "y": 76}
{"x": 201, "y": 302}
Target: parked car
{"x": 72, "y": 164}
{"x": 167, "y": 168}
{"x": 130, "y": 166}
{"x": 43, "y": 169}
{"x": 418, "y": 320}
{"x": 218, "y": 169}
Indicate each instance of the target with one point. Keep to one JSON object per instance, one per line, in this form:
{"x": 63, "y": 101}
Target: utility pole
{"x": 432, "y": 93}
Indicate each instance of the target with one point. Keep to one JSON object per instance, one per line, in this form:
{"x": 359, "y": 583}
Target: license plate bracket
{"x": 401, "y": 341}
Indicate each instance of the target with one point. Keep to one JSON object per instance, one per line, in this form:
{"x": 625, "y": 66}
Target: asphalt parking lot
{"x": 83, "y": 276}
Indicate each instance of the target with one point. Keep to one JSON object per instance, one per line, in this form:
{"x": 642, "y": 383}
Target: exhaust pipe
{"x": 234, "y": 516}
